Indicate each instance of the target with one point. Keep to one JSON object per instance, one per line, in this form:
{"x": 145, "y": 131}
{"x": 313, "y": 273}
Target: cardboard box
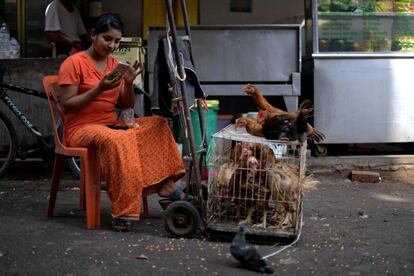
{"x": 131, "y": 49}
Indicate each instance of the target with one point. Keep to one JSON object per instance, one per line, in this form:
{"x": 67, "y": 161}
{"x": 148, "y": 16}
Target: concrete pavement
{"x": 350, "y": 229}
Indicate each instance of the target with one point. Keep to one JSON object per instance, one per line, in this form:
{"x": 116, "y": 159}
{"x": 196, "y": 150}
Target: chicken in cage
{"x": 256, "y": 182}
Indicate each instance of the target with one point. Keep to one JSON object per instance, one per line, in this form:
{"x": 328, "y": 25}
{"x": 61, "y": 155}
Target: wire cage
{"x": 255, "y": 181}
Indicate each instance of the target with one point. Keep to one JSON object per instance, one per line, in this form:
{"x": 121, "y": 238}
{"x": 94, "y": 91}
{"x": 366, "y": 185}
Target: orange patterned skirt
{"x": 132, "y": 160}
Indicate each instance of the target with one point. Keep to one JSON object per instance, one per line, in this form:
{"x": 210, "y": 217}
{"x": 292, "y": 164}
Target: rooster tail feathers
{"x": 306, "y": 108}
{"x": 309, "y": 184}
{"x": 315, "y": 135}
{"x": 306, "y": 105}
{"x": 320, "y": 135}
{"x": 301, "y": 123}
{"x": 302, "y": 127}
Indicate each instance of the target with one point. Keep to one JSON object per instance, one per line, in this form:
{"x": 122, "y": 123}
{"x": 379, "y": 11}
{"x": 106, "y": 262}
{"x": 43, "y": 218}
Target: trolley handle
{"x": 202, "y": 102}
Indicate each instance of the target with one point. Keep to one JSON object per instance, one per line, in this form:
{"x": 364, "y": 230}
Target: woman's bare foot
{"x": 168, "y": 188}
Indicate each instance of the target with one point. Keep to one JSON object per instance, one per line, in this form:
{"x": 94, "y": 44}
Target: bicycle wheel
{"x": 74, "y": 165}
{"x": 8, "y": 143}
{"x": 73, "y": 162}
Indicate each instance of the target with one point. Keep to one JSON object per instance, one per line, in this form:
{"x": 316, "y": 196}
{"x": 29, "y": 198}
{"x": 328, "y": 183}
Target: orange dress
{"x": 130, "y": 159}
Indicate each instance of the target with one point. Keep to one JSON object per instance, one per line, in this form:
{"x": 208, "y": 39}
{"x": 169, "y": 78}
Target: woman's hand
{"x": 71, "y": 101}
{"x": 133, "y": 71}
{"x": 127, "y": 96}
{"x": 107, "y": 82}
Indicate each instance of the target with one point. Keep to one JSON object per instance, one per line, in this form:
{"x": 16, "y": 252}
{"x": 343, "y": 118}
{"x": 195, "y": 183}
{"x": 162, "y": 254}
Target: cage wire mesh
{"x": 254, "y": 181}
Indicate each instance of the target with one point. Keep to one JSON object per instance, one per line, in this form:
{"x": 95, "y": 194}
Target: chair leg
{"x": 82, "y": 202}
{"x": 145, "y": 205}
{"x": 92, "y": 191}
{"x": 57, "y": 171}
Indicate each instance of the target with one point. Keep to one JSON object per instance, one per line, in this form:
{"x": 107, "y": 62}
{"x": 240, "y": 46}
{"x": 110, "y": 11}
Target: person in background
{"x": 131, "y": 159}
{"x": 64, "y": 26}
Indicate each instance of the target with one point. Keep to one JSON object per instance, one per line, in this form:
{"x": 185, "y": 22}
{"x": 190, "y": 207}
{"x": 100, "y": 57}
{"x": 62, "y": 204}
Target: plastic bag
{"x": 127, "y": 115}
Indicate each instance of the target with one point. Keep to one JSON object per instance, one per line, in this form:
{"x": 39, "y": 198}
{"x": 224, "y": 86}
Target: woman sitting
{"x": 130, "y": 159}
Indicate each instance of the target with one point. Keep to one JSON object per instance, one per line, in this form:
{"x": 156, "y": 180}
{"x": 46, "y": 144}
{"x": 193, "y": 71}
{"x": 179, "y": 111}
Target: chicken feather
{"x": 267, "y": 111}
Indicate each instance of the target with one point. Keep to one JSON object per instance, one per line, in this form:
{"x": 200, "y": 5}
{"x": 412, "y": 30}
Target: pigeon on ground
{"x": 247, "y": 254}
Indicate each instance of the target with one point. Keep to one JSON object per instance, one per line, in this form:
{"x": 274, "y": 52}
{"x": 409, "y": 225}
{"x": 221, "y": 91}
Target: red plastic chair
{"x": 90, "y": 181}
{"x": 90, "y": 172}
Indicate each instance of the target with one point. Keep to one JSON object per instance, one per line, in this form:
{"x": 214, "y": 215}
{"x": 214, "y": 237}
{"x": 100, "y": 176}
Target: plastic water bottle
{"x": 4, "y": 32}
{"x": 127, "y": 116}
{"x": 14, "y": 48}
{"x": 4, "y": 40}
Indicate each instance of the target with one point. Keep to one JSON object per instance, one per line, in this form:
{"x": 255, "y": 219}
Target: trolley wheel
{"x": 181, "y": 219}
{"x": 320, "y": 150}
{"x": 8, "y": 143}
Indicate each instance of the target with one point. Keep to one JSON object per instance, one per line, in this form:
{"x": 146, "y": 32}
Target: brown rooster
{"x": 252, "y": 126}
{"x": 273, "y": 123}
{"x": 248, "y": 191}
{"x": 279, "y": 127}
{"x": 283, "y": 183}
{"x": 240, "y": 180}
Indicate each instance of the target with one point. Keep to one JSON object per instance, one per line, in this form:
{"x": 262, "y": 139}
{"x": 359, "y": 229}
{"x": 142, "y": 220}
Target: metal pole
{"x": 202, "y": 125}
{"x": 199, "y": 108}
{"x": 184, "y": 107}
{"x": 21, "y": 26}
{"x": 186, "y": 21}
{"x": 187, "y": 27}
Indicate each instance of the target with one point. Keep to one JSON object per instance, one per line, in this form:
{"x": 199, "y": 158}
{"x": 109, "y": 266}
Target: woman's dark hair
{"x": 106, "y": 21}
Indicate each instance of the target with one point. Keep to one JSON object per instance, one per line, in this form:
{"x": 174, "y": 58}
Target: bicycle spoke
{"x": 8, "y": 146}
{"x": 74, "y": 165}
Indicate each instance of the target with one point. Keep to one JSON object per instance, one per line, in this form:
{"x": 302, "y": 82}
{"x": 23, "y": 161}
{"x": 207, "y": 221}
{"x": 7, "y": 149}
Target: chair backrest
{"x": 50, "y": 87}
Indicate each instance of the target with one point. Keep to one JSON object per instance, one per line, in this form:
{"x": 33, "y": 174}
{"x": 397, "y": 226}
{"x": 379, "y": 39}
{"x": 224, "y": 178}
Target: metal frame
{"x": 8, "y": 101}
{"x": 185, "y": 115}
{"x": 232, "y": 193}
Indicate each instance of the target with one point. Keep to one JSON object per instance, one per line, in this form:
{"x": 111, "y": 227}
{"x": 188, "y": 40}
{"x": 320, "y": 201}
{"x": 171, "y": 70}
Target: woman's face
{"x": 107, "y": 42}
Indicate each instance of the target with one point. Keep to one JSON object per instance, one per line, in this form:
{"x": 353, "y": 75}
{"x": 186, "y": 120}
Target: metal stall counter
{"x": 228, "y": 57}
{"x": 359, "y": 61}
